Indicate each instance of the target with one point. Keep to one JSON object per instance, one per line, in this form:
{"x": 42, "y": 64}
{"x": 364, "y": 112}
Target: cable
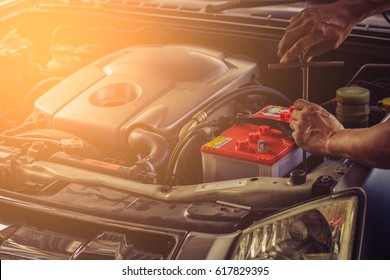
{"x": 28, "y": 125}
{"x": 283, "y": 100}
{"x": 262, "y": 91}
{"x": 27, "y": 139}
{"x": 196, "y": 124}
{"x": 182, "y": 142}
{"x": 386, "y": 16}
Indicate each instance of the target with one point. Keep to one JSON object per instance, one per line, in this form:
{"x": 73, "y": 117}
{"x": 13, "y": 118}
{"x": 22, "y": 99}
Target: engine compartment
{"x": 153, "y": 129}
{"x": 143, "y": 102}
{"x": 138, "y": 101}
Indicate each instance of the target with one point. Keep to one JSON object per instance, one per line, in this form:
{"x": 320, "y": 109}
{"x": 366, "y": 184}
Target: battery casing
{"x": 248, "y": 150}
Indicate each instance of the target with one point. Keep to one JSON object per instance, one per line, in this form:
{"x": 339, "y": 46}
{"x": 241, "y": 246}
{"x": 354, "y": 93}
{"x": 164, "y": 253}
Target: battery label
{"x": 272, "y": 111}
{"x": 218, "y": 142}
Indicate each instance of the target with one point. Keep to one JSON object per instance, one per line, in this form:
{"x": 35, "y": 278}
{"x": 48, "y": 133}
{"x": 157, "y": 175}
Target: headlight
{"x": 327, "y": 228}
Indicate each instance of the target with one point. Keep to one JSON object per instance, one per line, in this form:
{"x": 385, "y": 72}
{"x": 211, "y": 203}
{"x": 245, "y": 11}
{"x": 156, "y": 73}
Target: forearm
{"x": 368, "y": 146}
{"x": 360, "y": 9}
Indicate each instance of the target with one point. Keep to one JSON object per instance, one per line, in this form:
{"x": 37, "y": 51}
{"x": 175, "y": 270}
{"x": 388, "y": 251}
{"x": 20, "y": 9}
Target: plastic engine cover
{"x": 160, "y": 86}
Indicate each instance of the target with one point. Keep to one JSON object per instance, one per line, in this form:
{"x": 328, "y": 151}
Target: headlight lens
{"x": 321, "y": 229}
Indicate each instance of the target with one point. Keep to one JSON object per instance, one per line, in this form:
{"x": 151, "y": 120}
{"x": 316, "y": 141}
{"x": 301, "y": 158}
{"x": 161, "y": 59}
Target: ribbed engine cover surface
{"x": 158, "y": 86}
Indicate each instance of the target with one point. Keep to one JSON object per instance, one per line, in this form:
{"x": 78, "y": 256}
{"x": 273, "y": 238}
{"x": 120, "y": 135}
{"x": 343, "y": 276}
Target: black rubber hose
{"x": 197, "y": 137}
{"x": 263, "y": 91}
{"x": 183, "y": 142}
{"x": 153, "y": 147}
{"x": 26, "y": 126}
{"x": 54, "y": 136}
{"x": 16, "y": 140}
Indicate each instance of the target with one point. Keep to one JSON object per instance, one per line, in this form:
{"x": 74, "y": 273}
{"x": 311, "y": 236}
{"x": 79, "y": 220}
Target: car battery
{"x": 248, "y": 150}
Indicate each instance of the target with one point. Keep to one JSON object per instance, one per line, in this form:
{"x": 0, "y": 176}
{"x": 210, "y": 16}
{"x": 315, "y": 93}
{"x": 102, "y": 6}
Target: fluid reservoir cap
{"x": 385, "y": 103}
{"x": 298, "y": 177}
{"x": 72, "y": 143}
{"x": 352, "y": 95}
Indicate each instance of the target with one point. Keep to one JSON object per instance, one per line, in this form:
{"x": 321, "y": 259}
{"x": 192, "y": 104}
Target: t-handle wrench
{"x": 305, "y": 79}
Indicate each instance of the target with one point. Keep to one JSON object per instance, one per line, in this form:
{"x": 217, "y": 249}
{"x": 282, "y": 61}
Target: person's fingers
{"x": 291, "y": 37}
{"x": 293, "y": 125}
{"x": 294, "y": 136}
{"x": 284, "y": 44}
{"x": 321, "y": 48}
{"x": 296, "y": 21}
{"x": 300, "y": 104}
{"x": 299, "y": 49}
{"x": 297, "y": 138}
{"x": 302, "y": 16}
{"x": 298, "y": 27}
{"x": 308, "y": 58}
{"x": 311, "y": 38}
{"x": 295, "y": 115}
{"x": 288, "y": 40}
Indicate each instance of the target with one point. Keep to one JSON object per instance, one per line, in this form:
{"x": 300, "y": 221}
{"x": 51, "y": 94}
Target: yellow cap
{"x": 384, "y": 102}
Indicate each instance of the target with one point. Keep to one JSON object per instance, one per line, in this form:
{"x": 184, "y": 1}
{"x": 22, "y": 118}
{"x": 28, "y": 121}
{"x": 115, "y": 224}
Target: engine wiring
{"x": 21, "y": 140}
{"x": 176, "y": 153}
{"x": 222, "y": 122}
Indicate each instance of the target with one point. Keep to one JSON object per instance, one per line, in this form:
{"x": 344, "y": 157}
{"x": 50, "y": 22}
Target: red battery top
{"x": 278, "y": 113}
{"x": 259, "y": 144}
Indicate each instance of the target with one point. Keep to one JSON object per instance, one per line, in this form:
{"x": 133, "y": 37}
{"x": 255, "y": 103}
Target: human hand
{"x": 312, "y": 127}
{"x": 316, "y": 30}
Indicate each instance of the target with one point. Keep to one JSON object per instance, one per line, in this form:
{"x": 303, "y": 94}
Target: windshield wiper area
{"x": 216, "y": 8}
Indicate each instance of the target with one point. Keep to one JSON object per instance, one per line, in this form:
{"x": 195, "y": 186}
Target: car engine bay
{"x": 139, "y": 119}
{"x": 170, "y": 114}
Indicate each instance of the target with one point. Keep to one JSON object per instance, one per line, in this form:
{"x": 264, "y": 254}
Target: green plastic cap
{"x": 352, "y": 95}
